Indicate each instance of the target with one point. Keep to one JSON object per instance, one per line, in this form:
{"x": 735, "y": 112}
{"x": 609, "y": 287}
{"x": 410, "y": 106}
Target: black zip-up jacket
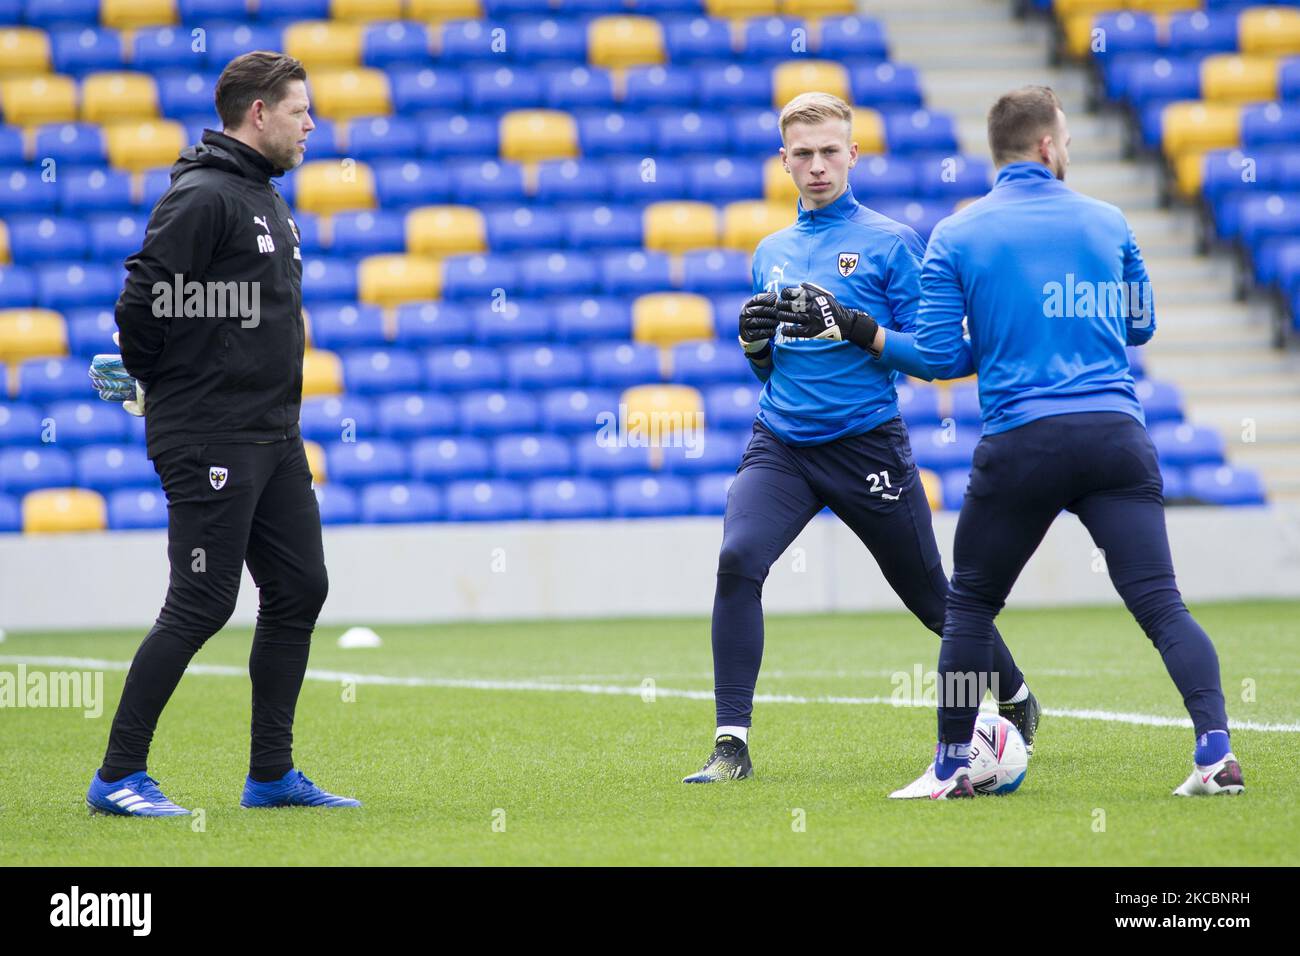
{"x": 220, "y": 376}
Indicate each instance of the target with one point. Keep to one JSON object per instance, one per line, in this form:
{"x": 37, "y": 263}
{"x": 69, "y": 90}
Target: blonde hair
{"x": 813, "y": 108}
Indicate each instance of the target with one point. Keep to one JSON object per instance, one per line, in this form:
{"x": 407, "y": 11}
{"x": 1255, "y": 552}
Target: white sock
{"x": 1020, "y": 696}
{"x": 741, "y": 733}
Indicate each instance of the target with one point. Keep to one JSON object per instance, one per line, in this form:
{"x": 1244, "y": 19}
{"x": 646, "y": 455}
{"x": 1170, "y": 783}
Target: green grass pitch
{"x": 503, "y": 774}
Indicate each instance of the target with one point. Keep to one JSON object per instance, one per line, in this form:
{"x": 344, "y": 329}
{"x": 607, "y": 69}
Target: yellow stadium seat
{"x": 362, "y": 10}
{"x": 315, "y": 461}
{"x": 933, "y": 488}
{"x": 306, "y": 326}
{"x": 666, "y": 318}
{"x": 1274, "y": 30}
{"x": 322, "y": 373}
{"x": 343, "y": 94}
{"x": 679, "y": 226}
{"x": 31, "y": 333}
{"x": 323, "y": 43}
{"x": 445, "y": 231}
{"x": 53, "y": 510}
{"x": 1229, "y": 78}
{"x": 394, "y": 279}
{"x": 662, "y": 410}
{"x": 1189, "y": 172}
{"x": 818, "y": 8}
{"x": 804, "y": 76}
{"x": 1162, "y": 6}
{"x": 1078, "y": 34}
{"x": 1074, "y": 8}
{"x": 444, "y": 10}
{"x": 529, "y": 136}
{"x": 24, "y": 50}
{"x": 5, "y": 253}
{"x": 124, "y": 14}
{"x": 31, "y": 100}
{"x": 868, "y": 130}
{"x": 1192, "y": 125}
{"x": 778, "y": 187}
{"x": 328, "y": 186}
{"x": 619, "y": 41}
{"x": 145, "y": 144}
{"x": 118, "y": 95}
{"x": 735, "y": 9}
{"x": 747, "y": 222}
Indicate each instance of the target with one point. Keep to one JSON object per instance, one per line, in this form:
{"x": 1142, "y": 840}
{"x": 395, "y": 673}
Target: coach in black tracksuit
{"x": 223, "y": 394}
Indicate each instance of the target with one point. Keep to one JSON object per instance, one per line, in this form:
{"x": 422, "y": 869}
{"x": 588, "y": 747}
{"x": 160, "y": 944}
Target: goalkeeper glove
{"x": 811, "y": 312}
{"x": 115, "y": 384}
{"x": 758, "y": 322}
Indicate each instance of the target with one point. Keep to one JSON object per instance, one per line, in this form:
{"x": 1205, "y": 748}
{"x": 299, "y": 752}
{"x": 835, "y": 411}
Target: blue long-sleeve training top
{"x": 817, "y": 390}
{"x": 1052, "y": 286}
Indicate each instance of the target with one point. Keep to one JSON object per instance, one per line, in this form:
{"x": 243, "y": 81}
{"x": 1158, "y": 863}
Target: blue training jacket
{"x": 1052, "y": 287}
{"x": 816, "y": 390}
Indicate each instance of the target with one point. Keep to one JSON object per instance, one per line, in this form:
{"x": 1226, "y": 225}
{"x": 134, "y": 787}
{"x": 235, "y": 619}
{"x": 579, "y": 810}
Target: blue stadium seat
{"x": 424, "y": 324}
{"x": 382, "y": 370}
{"x": 417, "y": 88}
{"x": 416, "y": 414}
{"x": 487, "y": 181}
{"x": 85, "y": 48}
{"x": 732, "y": 406}
{"x": 531, "y": 456}
{"x": 567, "y": 498}
{"x": 603, "y": 227}
{"x": 12, "y": 149}
{"x": 1150, "y": 80}
{"x": 558, "y": 274}
{"x": 50, "y": 379}
{"x": 90, "y": 332}
{"x": 190, "y": 93}
{"x": 1183, "y": 445}
{"x": 715, "y": 270}
{"x": 450, "y": 458}
{"x": 921, "y": 216}
{"x": 1225, "y": 485}
{"x": 671, "y": 88}
{"x": 725, "y": 179}
{"x": 567, "y": 410}
{"x": 709, "y": 363}
{"x": 647, "y": 179}
{"x": 22, "y": 191}
{"x": 545, "y": 366}
{"x": 1203, "y": 31}
{"x": 157, "y": 181}
{"x": 52, "y": 13}
{"x": 755, "y": 131}
{"x": 469, "y": 41}
{"x": 623, "y": 364}
{"x": 652, "y": 497}
{"x": 37, "y": 239}
{"x": 363, "y": 462}
{"x": 711, "y": 492}
{"x": 692, "y": 133}
{"x": 393, "y": 43}
{"x": 26, "y": 469}
{"x": 498, "y": 412}
{"x": 1128, "y": 32}
{"x": 635, "y": 273}
{"x": 604, "y": 133}
{"x": 68, "y": 286}
{"x": 131, "y": 509}
{"x": 774, "y": 39}
{"x": 328, "y": 279}
{"x": 853, "y": 39}
{"x": 882, "y": 177}
{"x": 476, "y": 277}
{"x": 486, "y": 501}
{"x": 459, "y": 135}
{"x": 1161, "y": 401}
{"x": 347, "y": 326}
{"x": 596, "y": 456}
{"x": 954, "y": 487}
{"x": 494, "y": 89}
{"x": 87, "y": 422}
{"x": 697, "y": 38}
{"x": 539, "y": 39}
{"x": 577, "y": 87}
{"x": 115, "y": 236}
{"x": 941, "y": 449}
{"x": 402, "y": 183}
{"x": 400, "y": 503}
{"x": 293, "y": 9}
{"x": 377, "y": 137}
{"x": 570, "y": 180}
{"x": 919, "y": 404}
{"x": 106, "y": 468}
{"x": 1264, "y": 217}
{"x": 886, "y": 86}
{"x": 20, "y": 424}
{"x": 919, "y": 131}
{"x": 229, "y": 40}
{"x": 367, "y": 233}
{"x": 17, "y": 287}
{"x": 594, "y": 319}
{"x": 465, "y": 368}
{"x": 1270, "y": 123}
{"x": 712, "y": 450}
{"x": 93, "y": 190}
{"x": 338, "y": 504}
{"x": 72, "y": 143}
{"x": 163, "y": 48}
{"x": 11, "y": 514}
{"x": 519, "y": 320}
{"x": 513, "y": 228}
{"x": 953, "y": 178}
{"x": 335, "y": 418}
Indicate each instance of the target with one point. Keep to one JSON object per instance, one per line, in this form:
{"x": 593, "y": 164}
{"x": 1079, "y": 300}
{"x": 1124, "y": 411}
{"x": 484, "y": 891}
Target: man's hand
{"x": 759, "y": 318}
{"x": 115, "y": 384}
{"x": 811, "y": 312}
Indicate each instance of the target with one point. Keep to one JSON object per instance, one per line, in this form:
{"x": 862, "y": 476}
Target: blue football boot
{"x": 291, "y": 790}
{"x": 134, "y": 796}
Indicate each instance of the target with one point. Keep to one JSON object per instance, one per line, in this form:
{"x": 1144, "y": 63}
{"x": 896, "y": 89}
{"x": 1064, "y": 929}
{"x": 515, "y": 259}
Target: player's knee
{"x": 315, "y": 588}
{"x": 737, "y": 560}
{"x": 194, "y": 621}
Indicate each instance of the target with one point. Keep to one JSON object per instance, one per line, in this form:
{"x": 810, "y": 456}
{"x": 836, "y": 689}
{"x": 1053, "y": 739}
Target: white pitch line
{"x": 469, "y": 683}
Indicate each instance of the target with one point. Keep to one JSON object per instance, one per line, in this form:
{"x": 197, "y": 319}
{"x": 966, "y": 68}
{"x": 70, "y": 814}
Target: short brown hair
{"x": 1019, "y": 119}
{"x": 813, "y": 108}
{"x": 260, "y": 75}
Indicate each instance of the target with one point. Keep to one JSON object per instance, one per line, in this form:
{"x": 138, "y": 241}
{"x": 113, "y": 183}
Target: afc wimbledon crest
{"x": 294, "y": 226}
{"x": 848, "y": 262}
{"x": 217, "y": 476}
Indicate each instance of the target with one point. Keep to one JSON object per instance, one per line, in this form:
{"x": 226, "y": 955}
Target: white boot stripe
{"x": 134, "y": 798}
{"x": 125, "y": 792}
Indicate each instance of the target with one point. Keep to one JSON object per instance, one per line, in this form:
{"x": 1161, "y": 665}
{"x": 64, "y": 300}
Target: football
{"x": 998, "y": 758}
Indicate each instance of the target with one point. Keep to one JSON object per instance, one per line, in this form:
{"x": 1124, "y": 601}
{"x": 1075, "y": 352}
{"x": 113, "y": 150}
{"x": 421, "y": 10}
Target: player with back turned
{"x": 221, "y": 396}
{"x": 828, "y": 431}
{"x": 1063, "y": 428}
